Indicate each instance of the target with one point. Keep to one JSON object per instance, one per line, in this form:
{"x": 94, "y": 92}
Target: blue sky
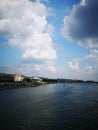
{"x": 49, "y": 38}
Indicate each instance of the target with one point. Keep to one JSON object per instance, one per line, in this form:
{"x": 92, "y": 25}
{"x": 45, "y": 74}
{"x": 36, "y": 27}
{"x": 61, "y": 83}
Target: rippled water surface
{"x": 50, "y": 107}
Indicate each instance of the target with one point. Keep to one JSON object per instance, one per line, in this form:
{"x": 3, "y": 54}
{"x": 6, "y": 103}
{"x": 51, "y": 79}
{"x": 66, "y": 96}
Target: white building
{"x": 36, "y": 79}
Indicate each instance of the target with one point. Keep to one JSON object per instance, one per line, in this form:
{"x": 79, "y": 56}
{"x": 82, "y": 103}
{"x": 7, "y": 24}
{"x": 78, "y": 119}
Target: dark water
{"x": 51, "y": 107}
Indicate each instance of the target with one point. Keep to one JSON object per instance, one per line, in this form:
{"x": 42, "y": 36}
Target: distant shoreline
{"x": 13, "y": 85}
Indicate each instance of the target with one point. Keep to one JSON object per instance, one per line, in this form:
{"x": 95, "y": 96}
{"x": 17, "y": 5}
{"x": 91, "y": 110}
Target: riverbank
{"x": 11, "y": 85}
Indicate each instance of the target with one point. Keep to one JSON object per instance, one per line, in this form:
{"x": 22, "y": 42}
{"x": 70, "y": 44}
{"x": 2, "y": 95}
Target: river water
{"x": 50, "y": 107}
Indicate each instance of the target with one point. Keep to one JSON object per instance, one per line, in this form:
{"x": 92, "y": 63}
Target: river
{"x": 50, "y": 107}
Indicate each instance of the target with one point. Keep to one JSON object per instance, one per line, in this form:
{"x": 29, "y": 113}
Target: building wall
{"x": 36, "y": 80}
{"x": 10, "y": 78}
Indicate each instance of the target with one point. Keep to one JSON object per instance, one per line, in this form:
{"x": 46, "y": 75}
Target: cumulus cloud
{"x": 94, "y": 51}
{"x": 74, "y": 66}
{"x": 89, "y": 69}
{"x": 44, "y": 70}
{"x": 92, "y": 57}
{"x": 41, "y": 49}
{"x": 50, "y": 29}
{"x": 80, "y": 72}
{"x": 24, "y": 24}
{"x": 82, "y": 24}
{"x": 85, "y": 67}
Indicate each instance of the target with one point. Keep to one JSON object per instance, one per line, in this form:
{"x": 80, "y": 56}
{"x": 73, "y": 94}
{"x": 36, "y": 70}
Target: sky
{"x": 49, "y": 38}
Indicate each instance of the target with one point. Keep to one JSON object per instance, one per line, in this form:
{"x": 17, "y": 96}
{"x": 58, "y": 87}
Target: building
{"x": 18, "y": 78}
{"x": 36, "y": 79}
{"x": 10, "y": 78}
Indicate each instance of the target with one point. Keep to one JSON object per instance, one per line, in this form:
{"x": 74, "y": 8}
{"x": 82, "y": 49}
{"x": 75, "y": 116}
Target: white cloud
{"x": 41, "y": 49}
{"x": 94, "y": 51}
{"x": 89, "y": 69}
{"x": 74, "y": 66}
{"x": 25, "y": 25}
{"x": 43, "y": 70}
{"x": 89, "y": 42}
{"x": 83, "y": 2}
{"x": 84, "y": 67}
{"x": 37, "y": 67}
{"x": 80, "y": 72}
{"x": 93, "y": 56}
{"x": 50, "y": 29}
{"x": 82, "y": 24}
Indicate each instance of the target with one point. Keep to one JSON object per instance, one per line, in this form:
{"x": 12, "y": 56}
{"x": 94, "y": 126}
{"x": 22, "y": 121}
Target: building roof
{"x": 36, "y": 78}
